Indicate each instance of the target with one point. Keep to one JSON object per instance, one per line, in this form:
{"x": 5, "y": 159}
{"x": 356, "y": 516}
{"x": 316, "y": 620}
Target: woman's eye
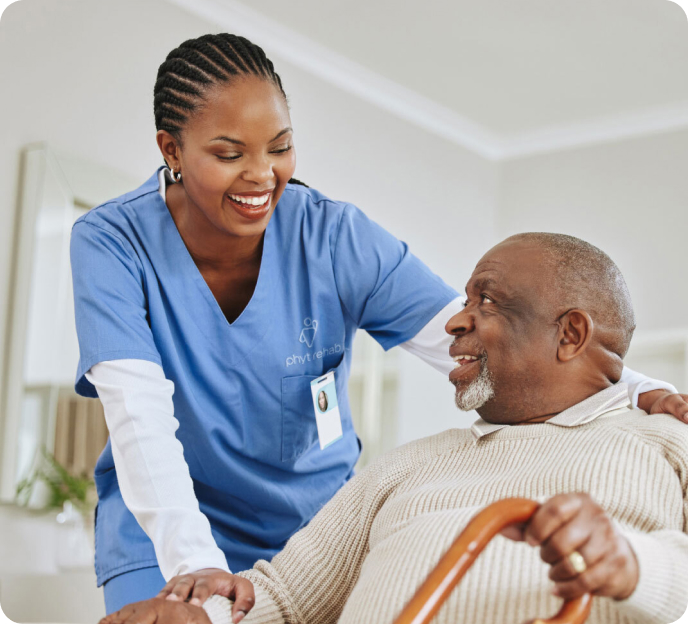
{"x": 281, "y": 150}
{"x": 234, "y": 157}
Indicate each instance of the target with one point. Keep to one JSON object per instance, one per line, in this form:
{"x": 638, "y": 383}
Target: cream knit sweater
{"x": 362, "y": 557}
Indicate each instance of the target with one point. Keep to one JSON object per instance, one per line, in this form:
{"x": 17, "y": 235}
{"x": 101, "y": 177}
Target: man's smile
{"x": 464, "y": 368}
{"x": 462, "y": 360}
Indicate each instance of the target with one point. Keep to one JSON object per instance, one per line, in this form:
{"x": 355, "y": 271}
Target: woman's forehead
{"x": 245, "y": 108}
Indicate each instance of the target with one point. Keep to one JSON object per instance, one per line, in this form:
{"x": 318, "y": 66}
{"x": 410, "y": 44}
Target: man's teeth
{"x": 251, "y": 201}
{"x": 461, "y": 360}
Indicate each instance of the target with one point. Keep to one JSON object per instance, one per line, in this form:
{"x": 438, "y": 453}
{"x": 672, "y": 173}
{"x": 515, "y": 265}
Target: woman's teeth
{"x": 462, "y": 360}
{"x": 250, "y": 201}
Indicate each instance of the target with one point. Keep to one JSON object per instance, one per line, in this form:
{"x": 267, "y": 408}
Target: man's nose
{"x": 460, "y": 323}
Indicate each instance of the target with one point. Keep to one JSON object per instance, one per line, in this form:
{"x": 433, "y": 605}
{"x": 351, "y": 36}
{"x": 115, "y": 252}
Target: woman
{"x": 322, "y": 401}
{"x": 207, "y": 301}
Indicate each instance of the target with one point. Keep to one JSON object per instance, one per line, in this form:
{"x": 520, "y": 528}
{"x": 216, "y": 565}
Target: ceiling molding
{"x": 340, "y": 71}
{"x": 609, "y": 129}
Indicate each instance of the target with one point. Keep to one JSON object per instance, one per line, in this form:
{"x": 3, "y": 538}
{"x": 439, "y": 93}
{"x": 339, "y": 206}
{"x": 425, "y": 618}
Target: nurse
{"x": 213, "y": 304}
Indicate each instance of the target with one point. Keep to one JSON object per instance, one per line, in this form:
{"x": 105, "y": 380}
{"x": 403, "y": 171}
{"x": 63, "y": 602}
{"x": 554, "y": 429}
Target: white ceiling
{"x": 506, "y": 70}
{"x": 510, "y": 65}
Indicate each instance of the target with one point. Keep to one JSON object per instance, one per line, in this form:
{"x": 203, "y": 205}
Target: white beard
{"x": 478, "y": 392}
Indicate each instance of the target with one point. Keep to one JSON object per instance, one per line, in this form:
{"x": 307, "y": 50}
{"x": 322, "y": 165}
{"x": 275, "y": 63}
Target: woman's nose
{"x": 259, "y": 171}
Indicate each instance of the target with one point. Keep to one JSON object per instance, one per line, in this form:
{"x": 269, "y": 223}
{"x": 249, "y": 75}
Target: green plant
{"x": 63, "y": 486}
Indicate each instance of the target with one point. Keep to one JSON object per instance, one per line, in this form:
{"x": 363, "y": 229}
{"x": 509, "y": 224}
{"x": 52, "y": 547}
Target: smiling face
{"x": 505, "y": 339}
{"x": 236, "y": 156}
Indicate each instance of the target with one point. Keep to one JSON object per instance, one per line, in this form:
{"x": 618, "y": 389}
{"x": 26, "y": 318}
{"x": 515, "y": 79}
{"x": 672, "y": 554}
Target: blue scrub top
{"x": 242, "y": 390}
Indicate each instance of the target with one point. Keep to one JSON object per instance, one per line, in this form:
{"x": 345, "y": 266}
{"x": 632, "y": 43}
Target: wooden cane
{"x": 465, "y": 550}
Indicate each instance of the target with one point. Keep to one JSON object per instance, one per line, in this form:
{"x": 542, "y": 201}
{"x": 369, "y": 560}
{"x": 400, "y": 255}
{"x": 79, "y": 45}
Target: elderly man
{"x": 538, "y": 351}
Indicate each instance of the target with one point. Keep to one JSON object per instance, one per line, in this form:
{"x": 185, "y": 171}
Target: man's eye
{"x": 486, "y": 299}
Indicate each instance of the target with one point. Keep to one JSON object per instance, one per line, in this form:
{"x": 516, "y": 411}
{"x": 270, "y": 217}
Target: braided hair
{"x": 190, "y": 70}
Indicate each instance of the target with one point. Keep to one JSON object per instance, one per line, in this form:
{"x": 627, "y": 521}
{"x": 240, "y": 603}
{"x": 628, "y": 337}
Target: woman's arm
{"x": 431, "y": 344}
{"x": 151, "y": 470}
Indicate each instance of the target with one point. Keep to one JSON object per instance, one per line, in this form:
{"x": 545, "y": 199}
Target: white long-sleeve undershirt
{"x": 153, "y": 475}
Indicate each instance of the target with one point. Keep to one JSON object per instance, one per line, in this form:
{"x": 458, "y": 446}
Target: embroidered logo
{"x": 310, "y": 328}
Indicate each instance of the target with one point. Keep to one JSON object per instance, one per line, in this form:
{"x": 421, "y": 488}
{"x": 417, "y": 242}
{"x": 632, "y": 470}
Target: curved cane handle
{"x": 465, "y": 550}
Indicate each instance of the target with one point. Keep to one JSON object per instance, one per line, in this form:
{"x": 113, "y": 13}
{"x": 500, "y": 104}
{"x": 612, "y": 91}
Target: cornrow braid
{"x": 190, "y": 70}
{"x": 199, "y": 64}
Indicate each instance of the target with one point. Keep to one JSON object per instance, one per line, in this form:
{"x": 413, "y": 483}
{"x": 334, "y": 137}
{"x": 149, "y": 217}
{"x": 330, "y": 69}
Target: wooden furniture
{"x": 465, "y": 550}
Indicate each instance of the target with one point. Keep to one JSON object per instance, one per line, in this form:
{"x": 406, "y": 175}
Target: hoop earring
{"x": 176, "y": 176}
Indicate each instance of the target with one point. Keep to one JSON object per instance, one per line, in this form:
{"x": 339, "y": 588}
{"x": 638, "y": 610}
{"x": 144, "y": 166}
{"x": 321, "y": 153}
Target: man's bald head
{"x": 585, "y": 277}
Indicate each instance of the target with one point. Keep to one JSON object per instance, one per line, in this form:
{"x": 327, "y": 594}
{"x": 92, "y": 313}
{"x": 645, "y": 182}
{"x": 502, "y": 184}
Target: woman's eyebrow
{"x": 279, "y": 134}
{"x": 222, "y": 137}
{"x": 228, "y": 139}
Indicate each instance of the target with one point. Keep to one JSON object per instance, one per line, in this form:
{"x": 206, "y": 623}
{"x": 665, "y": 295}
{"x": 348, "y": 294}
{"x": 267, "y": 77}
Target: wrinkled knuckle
{"x": 555, "y": 550}
{"x": 553, "y": 512}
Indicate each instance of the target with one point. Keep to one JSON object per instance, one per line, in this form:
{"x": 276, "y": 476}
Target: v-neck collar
{"x": 210, "y": 318}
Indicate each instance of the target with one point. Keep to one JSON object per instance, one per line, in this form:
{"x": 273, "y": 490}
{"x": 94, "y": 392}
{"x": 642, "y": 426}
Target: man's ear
{"x": 575, "y": 333}
{"x": 169, "y": 148}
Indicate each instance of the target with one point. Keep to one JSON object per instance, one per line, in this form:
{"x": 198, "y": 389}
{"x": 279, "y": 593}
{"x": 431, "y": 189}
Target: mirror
{"x": 40, "y": 406}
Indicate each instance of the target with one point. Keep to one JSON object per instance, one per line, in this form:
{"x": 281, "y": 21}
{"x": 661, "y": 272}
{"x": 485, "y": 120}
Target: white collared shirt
{"x": 608, "y": 402}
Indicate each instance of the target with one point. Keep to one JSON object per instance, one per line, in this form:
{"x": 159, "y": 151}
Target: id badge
{"x": 327, "y": 417}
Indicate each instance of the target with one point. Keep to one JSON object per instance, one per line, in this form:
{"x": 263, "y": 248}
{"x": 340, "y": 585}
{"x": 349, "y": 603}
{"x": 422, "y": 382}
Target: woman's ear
{"x": 575, "y": 333}
{"x": 169, "y": 148}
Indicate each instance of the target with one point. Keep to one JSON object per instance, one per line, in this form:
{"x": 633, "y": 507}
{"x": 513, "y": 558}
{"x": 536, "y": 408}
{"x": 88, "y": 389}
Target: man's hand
{"x": 200, "y": 585}
{"x": 574, "y": 523}
{"x": 158, "y": 611}
{"x": 664, "y": 402}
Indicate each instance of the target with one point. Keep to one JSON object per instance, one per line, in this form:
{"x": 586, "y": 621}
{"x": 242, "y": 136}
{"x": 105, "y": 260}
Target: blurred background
{"x": 454, "y": 124}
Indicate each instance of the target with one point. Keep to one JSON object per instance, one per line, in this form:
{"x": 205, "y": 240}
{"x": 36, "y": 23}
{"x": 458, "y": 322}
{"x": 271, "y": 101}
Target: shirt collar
{"x": 601, "y": 404}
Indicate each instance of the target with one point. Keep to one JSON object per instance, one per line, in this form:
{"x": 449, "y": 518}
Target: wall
{"x": 80, "y": 75}
{"x": 629, "y": 198}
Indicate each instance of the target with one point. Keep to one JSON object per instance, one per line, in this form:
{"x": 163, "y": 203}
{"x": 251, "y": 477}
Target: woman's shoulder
{"x": 313, "y": 200}
{"x": 313, "y": 212}
{"x": 120, "y": 216}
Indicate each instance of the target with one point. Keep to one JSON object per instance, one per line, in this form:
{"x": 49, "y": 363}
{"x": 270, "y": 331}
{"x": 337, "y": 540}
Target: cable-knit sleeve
{"x": 311, "y": 579}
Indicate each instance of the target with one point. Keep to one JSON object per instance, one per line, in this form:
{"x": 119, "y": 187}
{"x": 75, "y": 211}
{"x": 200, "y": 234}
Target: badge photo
{"x": 327, "y": 417}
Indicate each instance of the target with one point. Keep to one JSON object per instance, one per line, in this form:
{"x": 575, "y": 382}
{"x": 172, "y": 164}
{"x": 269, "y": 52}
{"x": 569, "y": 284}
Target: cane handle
{"x": 465, "y": 550}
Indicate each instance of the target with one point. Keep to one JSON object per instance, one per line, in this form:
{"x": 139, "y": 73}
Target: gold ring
{"x": 577, "y": 562}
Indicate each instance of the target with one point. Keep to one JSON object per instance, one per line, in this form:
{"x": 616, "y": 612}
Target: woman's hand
{"x": 664, "y": 402}
{"x": 578, "y": 539}
{"x": 157, "y": 610}
{"x": 198, "y": 586}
